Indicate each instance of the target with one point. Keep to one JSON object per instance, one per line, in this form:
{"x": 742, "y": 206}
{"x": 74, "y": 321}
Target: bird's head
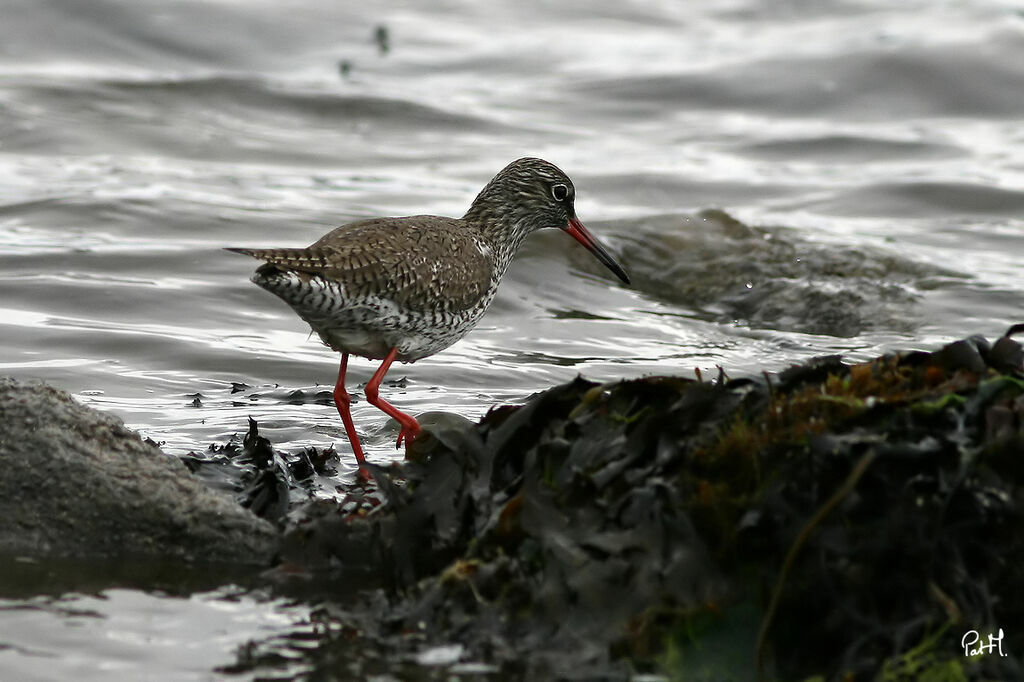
{"x": 531, "y": 194}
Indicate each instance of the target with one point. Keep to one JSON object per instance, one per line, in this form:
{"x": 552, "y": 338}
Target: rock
{"x": 76, "y": 482}
{"x": 767, "y": 278}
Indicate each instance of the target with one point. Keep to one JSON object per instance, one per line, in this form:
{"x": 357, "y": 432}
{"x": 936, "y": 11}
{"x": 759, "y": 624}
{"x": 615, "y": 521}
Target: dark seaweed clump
{"x": 844, "y": 521}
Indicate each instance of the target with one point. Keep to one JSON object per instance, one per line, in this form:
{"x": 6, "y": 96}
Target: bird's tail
{"x": 300, "y": 260}
{"x": 245, "y": 252}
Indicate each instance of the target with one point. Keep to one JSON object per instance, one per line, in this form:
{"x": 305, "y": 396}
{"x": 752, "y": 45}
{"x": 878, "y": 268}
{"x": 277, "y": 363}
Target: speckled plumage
{"x": 406, "y": 288}
{"x": 373, "y": 285}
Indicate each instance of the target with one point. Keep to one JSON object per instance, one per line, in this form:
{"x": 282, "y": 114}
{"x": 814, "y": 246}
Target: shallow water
{"x": 878, "y": 145}
{"x": 131, "y": 634}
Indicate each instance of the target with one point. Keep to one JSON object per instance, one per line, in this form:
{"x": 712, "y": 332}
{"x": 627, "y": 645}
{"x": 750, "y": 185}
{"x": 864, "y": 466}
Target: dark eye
{"x": 559, "y": 192}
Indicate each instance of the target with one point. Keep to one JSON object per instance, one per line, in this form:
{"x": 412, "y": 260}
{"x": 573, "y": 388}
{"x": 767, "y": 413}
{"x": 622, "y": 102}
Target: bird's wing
{"x": 420, "y": 262}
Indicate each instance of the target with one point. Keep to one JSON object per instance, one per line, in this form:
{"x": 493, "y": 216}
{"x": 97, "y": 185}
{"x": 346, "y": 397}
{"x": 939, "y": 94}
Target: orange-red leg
{"x": 410, "y": 427}
{"x": 343, "y": 403}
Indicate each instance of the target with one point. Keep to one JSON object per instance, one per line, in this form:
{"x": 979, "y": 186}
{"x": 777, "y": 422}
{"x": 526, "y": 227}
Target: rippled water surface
{"x": 864, "y": 160}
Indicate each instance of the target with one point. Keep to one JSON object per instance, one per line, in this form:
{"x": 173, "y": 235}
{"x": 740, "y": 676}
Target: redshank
{"x": 405, "y": 288}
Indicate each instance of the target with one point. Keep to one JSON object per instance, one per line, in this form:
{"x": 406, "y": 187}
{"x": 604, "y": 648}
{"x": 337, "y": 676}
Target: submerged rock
{"x": 769, "y": 278}
{"x": 75, "y": 482}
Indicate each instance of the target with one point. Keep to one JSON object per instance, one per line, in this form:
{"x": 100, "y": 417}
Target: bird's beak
{"x": 583, "y": 236}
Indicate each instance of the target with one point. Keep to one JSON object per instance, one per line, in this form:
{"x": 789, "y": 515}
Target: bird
{"x": 404, "y": 288}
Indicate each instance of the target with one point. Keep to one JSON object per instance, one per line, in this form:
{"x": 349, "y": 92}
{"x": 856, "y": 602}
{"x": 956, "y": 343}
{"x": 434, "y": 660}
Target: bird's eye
{"x": 559, "y": 192}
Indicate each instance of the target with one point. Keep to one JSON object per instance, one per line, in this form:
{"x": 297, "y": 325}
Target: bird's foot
{"x": 409, "y": 433}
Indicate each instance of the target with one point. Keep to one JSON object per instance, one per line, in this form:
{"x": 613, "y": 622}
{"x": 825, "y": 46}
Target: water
{"x": 134, "y": 635}
{"x": 876, "y": 146}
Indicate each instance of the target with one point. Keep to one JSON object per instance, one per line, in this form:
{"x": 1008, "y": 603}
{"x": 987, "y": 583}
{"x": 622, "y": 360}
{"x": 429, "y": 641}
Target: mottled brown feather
{"x": 419, "y": 284}
{"x": 408, "y": 260}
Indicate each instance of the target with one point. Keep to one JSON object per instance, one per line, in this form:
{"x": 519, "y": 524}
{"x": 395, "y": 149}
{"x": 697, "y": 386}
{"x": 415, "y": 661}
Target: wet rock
{"x": 76, "y": 483}
{"x": 768, "y": 278}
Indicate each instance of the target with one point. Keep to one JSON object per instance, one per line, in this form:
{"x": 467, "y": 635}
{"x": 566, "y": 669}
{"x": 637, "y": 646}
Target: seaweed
{"x": 846, "y": 521}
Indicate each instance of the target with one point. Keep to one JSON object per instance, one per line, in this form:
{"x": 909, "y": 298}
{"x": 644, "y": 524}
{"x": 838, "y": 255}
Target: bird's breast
{"x": 369, "y": 322}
